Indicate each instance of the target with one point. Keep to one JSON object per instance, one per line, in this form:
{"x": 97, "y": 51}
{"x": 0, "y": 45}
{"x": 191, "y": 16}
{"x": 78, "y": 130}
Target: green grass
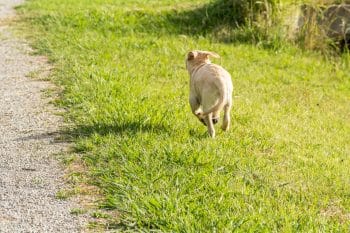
{"x": 283, "y": 167}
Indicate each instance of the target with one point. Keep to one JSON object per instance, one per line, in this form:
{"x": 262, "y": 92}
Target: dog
{"x": 210, "y": 90}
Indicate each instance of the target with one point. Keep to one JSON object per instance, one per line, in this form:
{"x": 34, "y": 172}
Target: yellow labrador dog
{"x": 210, "y": 90}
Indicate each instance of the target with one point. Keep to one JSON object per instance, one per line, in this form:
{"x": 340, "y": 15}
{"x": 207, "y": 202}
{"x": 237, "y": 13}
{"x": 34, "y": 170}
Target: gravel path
{"x": 30, "y": 176}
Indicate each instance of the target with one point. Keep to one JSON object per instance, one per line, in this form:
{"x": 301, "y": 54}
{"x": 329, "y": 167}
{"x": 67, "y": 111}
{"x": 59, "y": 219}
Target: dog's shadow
{"x": 126, "y": 128}
{"x": 199, "y": 134}
{"x": 71, "y": 134}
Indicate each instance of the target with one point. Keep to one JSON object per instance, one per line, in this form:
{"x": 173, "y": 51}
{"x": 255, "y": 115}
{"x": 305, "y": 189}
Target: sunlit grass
{"x": 283, "y": 167}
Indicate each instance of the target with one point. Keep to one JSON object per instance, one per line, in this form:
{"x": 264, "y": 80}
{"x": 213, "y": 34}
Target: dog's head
{"x": 197, "y": 57}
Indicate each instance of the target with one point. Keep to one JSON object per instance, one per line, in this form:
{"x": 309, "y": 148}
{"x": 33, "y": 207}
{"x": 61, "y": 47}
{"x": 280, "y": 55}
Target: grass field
{"x": 284, "y": 165}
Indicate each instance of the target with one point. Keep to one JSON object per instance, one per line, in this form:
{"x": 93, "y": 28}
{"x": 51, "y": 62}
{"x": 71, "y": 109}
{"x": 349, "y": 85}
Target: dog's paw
{"x": 215, "y": 120}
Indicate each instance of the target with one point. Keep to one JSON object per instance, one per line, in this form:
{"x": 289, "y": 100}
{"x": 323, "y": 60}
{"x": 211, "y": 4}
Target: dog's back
{"x": 213, "y": 85}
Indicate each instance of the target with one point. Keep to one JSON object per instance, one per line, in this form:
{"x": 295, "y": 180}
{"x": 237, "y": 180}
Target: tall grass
{"x": 263, "y": 22}
{"x": 317, "y": 24}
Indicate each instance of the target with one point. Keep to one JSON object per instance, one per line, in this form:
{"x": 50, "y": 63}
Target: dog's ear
{"x": 190, "y": 56}
{"x": 208, "y": 53}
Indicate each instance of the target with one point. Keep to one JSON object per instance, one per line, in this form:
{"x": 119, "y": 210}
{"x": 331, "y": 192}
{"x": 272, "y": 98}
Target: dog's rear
{"x": 210, "y": 89}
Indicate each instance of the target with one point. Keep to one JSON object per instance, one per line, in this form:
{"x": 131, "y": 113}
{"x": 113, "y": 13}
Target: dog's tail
{"x": 221, "y": 101}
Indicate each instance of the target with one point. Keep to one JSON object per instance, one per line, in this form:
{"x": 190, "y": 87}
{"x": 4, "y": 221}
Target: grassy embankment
{"x": 283, "y": 167}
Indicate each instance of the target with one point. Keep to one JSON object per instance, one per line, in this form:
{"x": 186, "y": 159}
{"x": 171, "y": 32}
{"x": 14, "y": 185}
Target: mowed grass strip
{"x": 284, "y": 165}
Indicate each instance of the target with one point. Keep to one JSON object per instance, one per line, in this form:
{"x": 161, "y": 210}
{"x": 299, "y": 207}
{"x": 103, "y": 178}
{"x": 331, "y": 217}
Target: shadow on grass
{"x": 206, "y": 18}
{"x": 202, "y": 134}
{"x": 102, "y": 129}
{"x": 224, "y": 20}
{"x": 83, "y": 131}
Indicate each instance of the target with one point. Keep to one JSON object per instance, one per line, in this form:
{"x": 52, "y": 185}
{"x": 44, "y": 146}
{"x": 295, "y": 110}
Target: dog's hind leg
{"x": 216, "y": 117}
{"x": 210, "y": 125}
{"x": 194, "y": 104}
{"x": 227, "y": 118}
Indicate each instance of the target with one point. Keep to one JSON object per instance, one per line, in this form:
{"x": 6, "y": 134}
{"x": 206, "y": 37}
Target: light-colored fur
{"x": 210, "y": 89}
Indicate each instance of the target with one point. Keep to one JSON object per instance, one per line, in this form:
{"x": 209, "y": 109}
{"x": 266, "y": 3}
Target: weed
{"x": 77, "y": 211}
